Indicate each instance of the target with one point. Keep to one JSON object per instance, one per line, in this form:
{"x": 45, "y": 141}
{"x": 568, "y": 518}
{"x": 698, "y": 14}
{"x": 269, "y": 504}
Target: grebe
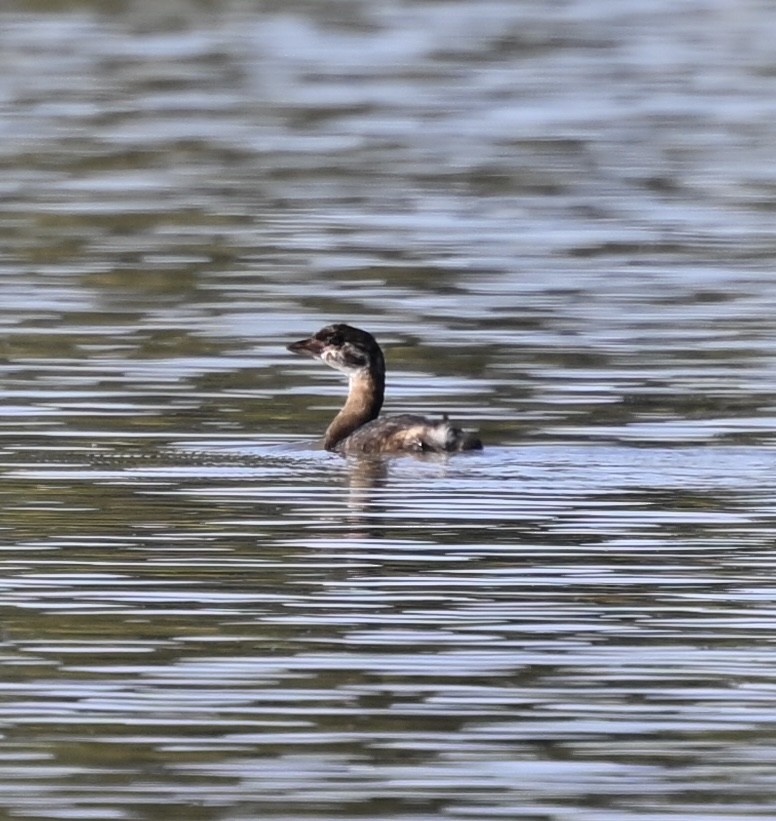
{"x": 356, "y": 428}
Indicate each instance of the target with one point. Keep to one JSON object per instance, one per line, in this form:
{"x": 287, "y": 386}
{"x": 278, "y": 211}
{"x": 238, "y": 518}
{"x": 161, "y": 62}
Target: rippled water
{"x": 558, "y": 219}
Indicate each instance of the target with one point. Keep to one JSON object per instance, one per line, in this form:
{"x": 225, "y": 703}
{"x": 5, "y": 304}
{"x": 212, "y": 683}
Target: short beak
{"x": 311, "y": 347}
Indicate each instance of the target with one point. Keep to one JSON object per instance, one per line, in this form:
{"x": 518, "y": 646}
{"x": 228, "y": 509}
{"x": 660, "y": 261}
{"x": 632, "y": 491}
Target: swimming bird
{"x": 358, "y": 428}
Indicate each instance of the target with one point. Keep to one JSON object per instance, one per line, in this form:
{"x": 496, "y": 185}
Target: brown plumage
{"x": 356, "y": 428}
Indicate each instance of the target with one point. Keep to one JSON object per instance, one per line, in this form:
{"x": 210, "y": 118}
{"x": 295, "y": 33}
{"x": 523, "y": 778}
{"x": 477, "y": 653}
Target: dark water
{"x": 558, "y": 218}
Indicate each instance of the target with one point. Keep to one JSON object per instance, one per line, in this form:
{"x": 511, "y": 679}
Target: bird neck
{"x": 365, "y": 398}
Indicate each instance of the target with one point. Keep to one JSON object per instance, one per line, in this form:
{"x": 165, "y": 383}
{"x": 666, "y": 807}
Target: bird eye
{"x": 336, "y": 339}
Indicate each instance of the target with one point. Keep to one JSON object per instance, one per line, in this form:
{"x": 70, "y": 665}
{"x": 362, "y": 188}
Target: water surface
{"x": 557, "y": 218}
